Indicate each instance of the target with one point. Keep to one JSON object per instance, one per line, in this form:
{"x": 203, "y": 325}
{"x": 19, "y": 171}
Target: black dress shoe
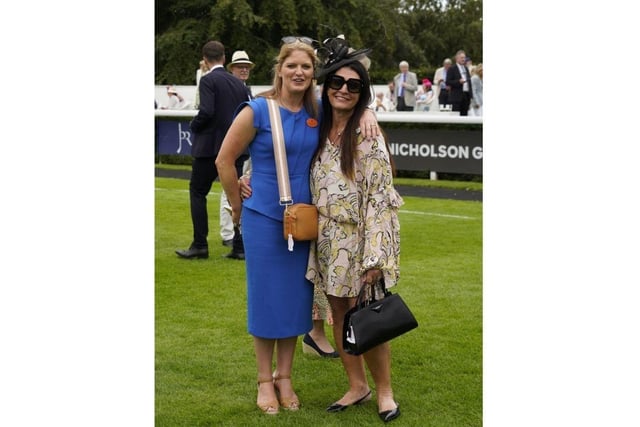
{"x": 336, "y": 407}
{"x": 228, "y": 243}
{"x": 309, "y": 346}
{"x": 193, "y": 253}
{"x": 387, "y": 416}
{"x": 235, "y": 255}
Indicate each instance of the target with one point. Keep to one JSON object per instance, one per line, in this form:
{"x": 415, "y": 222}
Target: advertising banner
{"x": 453, "y": 151}
{"x": 173, "y": 137}
{"x": 440, "y": 150}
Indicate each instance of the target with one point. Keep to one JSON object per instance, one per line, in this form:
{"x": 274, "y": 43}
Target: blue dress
{"x": 279, "y": 297}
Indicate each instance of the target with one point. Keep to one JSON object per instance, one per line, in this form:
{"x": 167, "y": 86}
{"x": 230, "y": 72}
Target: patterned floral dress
{"x": 358, "y": 221}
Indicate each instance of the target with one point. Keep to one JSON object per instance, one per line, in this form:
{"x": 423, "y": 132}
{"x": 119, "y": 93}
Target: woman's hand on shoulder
{"x": 369, "y": 125}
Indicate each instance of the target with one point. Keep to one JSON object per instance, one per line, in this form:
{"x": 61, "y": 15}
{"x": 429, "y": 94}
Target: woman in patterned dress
{"x": 359, "y": 232}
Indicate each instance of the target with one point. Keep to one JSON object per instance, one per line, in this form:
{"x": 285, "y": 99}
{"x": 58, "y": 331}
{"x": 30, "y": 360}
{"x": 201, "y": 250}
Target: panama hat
{"x": 239, "y": 57}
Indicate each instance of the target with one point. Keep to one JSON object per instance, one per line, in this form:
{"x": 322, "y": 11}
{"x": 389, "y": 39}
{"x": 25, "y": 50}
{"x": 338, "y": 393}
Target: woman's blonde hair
{"x": 310, "y": 99}
{"x": 478, "y": 70}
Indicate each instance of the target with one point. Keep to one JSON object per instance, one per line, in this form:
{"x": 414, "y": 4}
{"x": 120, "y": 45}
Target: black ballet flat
{"x": 387, "y": 416}
{"x": 336, "y": 407}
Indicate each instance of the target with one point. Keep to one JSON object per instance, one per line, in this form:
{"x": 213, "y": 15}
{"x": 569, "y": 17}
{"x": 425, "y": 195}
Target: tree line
{"x": 422, "y": 32}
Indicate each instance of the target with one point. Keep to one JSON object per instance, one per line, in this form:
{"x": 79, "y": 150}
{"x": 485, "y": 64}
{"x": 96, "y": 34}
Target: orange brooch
{"x": 312, "y": 122}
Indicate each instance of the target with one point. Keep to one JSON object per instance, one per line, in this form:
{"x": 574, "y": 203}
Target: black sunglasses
{"x": 306, "y": 40}
{"x": 353, "y": 85}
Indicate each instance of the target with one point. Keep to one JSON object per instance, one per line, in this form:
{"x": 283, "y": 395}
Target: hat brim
{"x": 354, "y": 56}
{"x": 231, "y": 64}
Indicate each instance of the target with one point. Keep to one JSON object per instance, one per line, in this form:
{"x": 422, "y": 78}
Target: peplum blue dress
{"x": 279, "y": 297}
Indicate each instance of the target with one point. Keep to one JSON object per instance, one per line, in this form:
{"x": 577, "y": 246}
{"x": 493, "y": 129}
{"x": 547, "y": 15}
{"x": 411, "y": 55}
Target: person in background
{"x": 459, "y": 81}
{"x": 424, "y": 96}
{"x": 176, "y": 101}
{"x": 279, "y": 297}
{"x": 469, "y": 64}
{"x": 406, "y": 84}
{"x": 440, "y": 80}
{"x": 390, "y": 97}
{"x": 476, "y": 84}
{"x": 203, "y": 69}
{"x": 358, "y": 229}
{"x": 220, "y": 94}
{"x": 380, "y": 102}
{"x": 315, "y": 342}
{"x": 240, "y": 66}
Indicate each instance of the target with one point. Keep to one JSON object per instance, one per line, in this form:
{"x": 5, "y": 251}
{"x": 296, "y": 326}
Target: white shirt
{"x": 463, "y": 73}
{"x": 176, "y": 104}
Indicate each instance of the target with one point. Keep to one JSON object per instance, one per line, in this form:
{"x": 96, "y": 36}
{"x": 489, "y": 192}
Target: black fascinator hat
{"x": 335, "y": 53}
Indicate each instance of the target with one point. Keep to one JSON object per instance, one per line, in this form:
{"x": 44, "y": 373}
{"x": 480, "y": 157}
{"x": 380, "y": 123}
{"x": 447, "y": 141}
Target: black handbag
{"x": 372, "y": 322}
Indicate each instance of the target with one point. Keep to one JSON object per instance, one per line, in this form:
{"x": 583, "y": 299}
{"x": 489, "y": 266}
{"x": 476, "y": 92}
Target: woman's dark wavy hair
{"x": 350, "y": 137}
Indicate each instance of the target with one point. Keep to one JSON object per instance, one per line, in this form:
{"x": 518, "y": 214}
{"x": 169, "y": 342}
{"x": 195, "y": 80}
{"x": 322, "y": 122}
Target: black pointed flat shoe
{"x": 309, "y": 346}
{"x": 387, "y": 416}
{"x": 337, "y": 407}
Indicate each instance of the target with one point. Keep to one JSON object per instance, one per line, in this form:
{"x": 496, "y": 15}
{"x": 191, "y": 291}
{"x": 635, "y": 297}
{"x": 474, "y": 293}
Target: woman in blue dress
{"x": 279, "y": 297}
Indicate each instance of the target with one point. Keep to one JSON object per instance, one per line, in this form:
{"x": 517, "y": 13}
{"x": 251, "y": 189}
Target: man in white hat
{"x": 240, "y": 66}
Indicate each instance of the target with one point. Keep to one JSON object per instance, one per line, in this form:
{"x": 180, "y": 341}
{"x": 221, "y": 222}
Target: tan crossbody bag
{"x": 300, "y": 219}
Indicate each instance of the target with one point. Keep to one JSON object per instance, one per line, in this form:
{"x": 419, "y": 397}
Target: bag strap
{"x": 282, "y": 169}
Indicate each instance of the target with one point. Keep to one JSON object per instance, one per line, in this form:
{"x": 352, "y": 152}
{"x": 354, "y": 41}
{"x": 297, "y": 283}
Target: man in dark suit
{"x": 220, "y": 94}
{"x": 459, "y": 80}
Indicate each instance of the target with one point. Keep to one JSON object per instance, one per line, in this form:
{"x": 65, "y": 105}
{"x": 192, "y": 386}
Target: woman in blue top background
{"x": 279, "y": 297}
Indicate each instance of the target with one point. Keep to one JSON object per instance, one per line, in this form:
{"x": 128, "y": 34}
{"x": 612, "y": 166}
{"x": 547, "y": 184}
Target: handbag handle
{"x": 362, "y": 302}
{"x": 282, "y": 169}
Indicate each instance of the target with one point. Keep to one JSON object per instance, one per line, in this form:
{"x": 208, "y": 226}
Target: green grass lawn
{"x": 205, "y": 367}
{"x": 417, "y": 182}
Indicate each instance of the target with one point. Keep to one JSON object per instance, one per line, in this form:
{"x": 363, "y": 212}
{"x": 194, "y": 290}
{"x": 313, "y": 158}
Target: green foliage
{"x": 178, "y": 53}
{"x": 422, "y": 32}
{"x": 204, "y": 362}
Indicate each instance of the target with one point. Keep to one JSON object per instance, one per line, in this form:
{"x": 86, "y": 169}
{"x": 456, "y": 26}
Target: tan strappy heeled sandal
{"x": 290, "y": 403}
{"x": 269, "y": 408}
